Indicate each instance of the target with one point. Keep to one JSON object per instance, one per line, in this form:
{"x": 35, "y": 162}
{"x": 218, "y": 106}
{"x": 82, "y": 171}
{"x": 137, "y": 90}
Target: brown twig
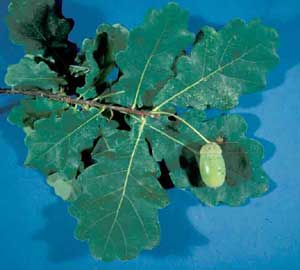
{"x": 74, "y": 101}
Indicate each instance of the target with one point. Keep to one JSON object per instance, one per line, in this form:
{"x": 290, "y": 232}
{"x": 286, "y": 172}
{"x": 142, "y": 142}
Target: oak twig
{"x": 75, "y": 101}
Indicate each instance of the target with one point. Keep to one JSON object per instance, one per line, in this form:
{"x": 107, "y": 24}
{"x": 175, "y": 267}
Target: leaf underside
{"x": 107, "y": 166}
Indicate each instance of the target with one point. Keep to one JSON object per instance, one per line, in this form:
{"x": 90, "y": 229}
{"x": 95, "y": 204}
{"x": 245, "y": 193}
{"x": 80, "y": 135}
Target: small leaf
{"x": 100, "y": 56}
{"x": 29, "y": 110}
{"x": 93, "y": 71}
{"x": 56, "y": 143}
{"x": 28, "y": 74}
{"x": 117, "y": 212}
{"x": 222, "y": 66}
{"x": 38, "y": 25}
{"x": 65, "y": 189}
{"x": 147, "y": 62}
{"x": 78, "y": 71}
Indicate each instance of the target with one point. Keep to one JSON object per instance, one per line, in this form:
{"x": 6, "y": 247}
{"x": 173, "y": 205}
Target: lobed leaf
{"x": 56, "y": 143}
{"x": 38, "y": 25}
{"x": 29, "y": 110}
{"x": 117, "y": 211}
{"x": 152, "y": 48}
{"x": 28, "y": 74}
{"x": 180, "y": 147}
{"x": 99, "y": 56}
{"x": 222, "y": 66}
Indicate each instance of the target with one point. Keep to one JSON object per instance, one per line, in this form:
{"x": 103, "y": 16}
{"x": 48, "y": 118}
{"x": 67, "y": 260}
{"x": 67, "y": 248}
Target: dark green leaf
{"x": 38, "y": 25}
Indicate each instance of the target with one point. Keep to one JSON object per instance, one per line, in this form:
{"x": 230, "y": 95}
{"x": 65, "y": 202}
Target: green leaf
{"x": 100, "y": 56}
{"x": 38, "y": 25}
{"x": 147, "y": 62}
{"x": 117, "y": 212}
{"x": 179, "y": 147}
{"x": 109, "y": 174}
{"x": 93, "y": 70}
{"x": 243, "y": 157}
{"x": 28, "y": 74}
{"x": 29, "y": 110}
{"x": 56, "y": 143}
{"x": 222, "y": 66}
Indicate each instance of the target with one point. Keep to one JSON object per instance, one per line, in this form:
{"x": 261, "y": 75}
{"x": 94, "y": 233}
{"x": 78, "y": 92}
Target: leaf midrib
{"x": 123, "y": 195}
{"x": 157, "y": 44}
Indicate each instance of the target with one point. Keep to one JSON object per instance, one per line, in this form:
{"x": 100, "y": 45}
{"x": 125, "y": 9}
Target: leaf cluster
{"x": 111, "y": 167}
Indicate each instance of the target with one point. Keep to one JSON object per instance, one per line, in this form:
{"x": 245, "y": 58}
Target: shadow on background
{"x": 13, "y": 135}
{"x": 177, "y": 238}
{"x": 269, "y": 148}
{"x": 275, "y": 78}
{"x": 289, "y": 45}
{"x": 180, "y": 237}
{"x": 58, "y": 231}
{"x": 58, "y": 234}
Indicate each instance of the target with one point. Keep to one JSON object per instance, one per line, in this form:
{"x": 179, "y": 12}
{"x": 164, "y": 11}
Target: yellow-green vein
{"x": 70, "y": 134}
{"x": 203, "y": 79}
{"x": 185, "y": 123}
{"x": 141, "y": 129}
{"x": 168, "y": 136}
{"x": 157, "y": 43}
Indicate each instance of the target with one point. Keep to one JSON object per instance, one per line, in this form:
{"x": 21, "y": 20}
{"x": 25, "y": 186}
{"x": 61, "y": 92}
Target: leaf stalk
{"x": 184, "y": 122}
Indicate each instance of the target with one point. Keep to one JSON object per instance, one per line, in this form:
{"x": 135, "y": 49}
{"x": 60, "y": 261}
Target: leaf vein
{"x": 203, "y": 79}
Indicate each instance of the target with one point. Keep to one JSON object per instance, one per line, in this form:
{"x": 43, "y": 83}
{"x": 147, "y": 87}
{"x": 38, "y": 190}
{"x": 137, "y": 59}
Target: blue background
{"x": 37, "y": 233}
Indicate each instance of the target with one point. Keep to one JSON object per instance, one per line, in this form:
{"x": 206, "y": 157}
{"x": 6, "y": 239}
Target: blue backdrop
{"x": 37, "y": 233}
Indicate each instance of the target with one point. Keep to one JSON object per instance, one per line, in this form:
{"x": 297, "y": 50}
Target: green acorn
{"x": 212, "y": 165}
